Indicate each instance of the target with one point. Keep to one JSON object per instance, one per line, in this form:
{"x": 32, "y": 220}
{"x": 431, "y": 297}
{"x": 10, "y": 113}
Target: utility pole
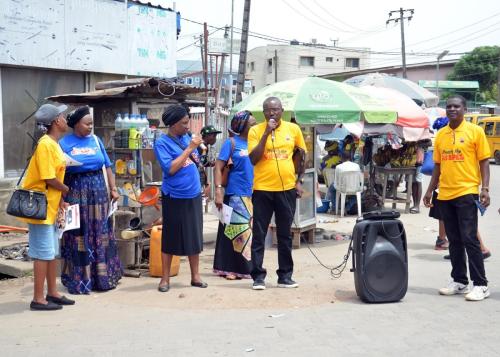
{"x": 205, "y": 71}
{"x": 498, "y": 83}
{"x": 275, "y": 60}
{"x": 230, "y": 98}
{"x": 243, "y": 50}
{"x": 401, "y": 19}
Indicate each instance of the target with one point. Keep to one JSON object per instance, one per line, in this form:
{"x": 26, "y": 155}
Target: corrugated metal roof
{"x": 164, "y": 4}
{"x": 153, "y": 88}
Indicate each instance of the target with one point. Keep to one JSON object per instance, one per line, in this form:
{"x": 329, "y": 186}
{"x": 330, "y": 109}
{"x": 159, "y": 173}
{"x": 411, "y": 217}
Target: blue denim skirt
{"x": 43, "y": 241}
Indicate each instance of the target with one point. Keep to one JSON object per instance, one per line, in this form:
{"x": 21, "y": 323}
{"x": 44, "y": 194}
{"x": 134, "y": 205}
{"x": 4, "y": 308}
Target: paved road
{"x": 321, "y": 318}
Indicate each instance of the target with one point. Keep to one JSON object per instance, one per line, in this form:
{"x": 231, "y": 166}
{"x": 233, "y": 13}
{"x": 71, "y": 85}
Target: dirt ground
{"x": 316, "y": 284}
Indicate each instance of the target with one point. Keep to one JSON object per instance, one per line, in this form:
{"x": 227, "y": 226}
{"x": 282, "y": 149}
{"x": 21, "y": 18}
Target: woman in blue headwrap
{"x": 89, "y": 254}
{"x": 182, "y": 232}
{"x": 232, "y": 258}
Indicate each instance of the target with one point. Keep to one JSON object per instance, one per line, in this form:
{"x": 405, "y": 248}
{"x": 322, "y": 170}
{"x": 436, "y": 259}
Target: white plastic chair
{"x": 348, "y": 183}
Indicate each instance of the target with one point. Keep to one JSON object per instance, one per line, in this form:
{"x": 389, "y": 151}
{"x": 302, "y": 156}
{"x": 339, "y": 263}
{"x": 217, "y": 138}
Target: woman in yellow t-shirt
{"x": 45, "y": 173}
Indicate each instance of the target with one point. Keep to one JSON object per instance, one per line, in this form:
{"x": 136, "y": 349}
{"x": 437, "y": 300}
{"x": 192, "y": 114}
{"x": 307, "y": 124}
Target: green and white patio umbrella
{"x": 314, "y": 100}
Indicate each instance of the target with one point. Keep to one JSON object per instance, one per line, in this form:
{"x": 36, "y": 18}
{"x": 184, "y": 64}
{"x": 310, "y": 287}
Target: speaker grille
{"x": 384, "y": 271}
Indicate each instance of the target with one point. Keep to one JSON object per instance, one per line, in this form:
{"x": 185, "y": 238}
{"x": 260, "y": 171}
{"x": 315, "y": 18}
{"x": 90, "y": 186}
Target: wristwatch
{"x": 218, "y": 186}
{"x": 300, "y": 180}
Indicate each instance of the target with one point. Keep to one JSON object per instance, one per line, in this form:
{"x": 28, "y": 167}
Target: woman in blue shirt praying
{"x": 232, "y": 258}
{"x": 89, "y": 254}
{"x": 182, "y": 232}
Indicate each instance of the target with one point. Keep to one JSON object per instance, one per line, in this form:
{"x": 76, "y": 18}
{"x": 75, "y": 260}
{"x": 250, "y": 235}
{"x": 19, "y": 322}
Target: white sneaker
{"x": 454, "y": 288}
{"x": 478, "y": 293}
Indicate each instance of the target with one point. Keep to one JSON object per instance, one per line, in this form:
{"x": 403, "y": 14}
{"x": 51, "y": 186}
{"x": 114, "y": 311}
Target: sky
{"x": 436, "y": 25}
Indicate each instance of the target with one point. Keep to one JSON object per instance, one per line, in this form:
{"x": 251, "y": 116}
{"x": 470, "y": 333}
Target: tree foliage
{"x": 479, "y": 65}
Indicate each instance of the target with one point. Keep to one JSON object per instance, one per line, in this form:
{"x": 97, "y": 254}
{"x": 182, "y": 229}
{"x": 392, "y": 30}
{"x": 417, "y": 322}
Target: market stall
{"x": 323, "y": 107}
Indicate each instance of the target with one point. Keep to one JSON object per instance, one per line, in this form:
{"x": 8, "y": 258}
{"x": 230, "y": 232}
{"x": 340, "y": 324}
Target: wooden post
{"x": 205, "y": 71}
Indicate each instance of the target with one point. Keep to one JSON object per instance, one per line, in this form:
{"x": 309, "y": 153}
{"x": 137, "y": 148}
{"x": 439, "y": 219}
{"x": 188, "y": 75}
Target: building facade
{"x": 276, "y": 63}
{"x": 190, "y": 72}
{"x": 55, "y": 47}
{"x": 414, "y": 72}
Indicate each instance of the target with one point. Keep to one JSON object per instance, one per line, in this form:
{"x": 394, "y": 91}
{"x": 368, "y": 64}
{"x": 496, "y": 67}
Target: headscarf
{"x": 173, "y": 114}
{"x": 331, "y": 145}
{"x": 239, "y": 122}
{"x": 75, "y": 116}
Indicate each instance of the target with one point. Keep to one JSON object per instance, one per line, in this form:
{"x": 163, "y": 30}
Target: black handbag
{"x": 27, "y": 203}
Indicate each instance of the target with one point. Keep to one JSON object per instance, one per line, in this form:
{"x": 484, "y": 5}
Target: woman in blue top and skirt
{"x": 89, "y": 254}
{"x": 232, "y": 257}
{"x": 182, "y": 232}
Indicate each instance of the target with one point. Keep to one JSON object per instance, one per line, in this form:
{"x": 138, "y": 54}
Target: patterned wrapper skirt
{"x": 234, "y": 240}
{"x": 89, "y": 254}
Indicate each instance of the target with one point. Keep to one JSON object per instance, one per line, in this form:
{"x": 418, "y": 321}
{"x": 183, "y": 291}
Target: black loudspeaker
{"x": 380, "y": 259}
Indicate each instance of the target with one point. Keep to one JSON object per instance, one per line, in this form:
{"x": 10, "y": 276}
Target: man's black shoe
{"x": 259, "y": 284}
{"x": 287, "y": 283}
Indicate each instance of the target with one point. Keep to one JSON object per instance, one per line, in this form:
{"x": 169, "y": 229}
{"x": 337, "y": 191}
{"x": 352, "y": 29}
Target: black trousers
{"x": 460, "y": 222}
{"x": 282, "y": 203}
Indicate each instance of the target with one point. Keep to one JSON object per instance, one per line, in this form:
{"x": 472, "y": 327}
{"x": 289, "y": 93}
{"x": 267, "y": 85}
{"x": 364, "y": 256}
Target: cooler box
{"x": 155, "y": 255}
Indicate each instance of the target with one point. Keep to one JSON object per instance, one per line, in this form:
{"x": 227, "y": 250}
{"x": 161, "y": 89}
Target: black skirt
{"x": 182, "y": 232}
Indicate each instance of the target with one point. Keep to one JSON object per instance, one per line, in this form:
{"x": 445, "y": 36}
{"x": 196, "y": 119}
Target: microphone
{"x": 272, "y": 133}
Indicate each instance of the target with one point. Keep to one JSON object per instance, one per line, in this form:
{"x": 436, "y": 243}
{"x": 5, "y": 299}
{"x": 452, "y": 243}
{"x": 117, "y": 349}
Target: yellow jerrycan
{"x": 155, "y": 267}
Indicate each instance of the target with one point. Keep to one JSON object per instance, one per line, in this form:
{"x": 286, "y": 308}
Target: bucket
{"x": 155, "y": 266}
{"x": 324, "y": 207}
{"x": 149, "y": 196}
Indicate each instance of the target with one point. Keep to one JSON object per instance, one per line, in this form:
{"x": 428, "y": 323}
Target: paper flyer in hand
{"x": 113, "y": 207}
{"x": 68, "y": 219}
{"x": 227, "y": 211}
{"x": 72, "y": 220}
{"x": 224, "y": 214}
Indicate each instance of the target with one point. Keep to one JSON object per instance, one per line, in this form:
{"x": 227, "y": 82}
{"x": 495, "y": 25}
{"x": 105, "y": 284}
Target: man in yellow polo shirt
{"x": 461, "y": 157}
{"x": 271, "y": 145}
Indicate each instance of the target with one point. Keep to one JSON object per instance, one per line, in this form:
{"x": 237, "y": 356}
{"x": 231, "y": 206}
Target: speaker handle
{"x": 353, "y": 269}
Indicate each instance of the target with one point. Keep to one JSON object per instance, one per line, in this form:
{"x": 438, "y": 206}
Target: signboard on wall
{"x": 96, "y": 41}
{"x": 89, "y": 35}
{"x": 32, "y": 33}
{"x": 223, "y": 45}
{"x": 152, "y": 40}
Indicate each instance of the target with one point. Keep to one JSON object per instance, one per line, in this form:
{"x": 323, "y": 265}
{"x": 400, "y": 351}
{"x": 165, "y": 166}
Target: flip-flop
{"x": 414, "y": 210}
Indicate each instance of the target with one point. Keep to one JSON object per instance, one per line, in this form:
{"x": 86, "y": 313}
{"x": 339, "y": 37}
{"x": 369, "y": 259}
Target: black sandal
{"x": 199, "y": 284}
{"x": 163, "y": 288}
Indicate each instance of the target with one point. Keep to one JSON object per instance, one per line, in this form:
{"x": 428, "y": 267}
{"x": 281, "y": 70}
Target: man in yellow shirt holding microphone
{"x": 271, "y": 145}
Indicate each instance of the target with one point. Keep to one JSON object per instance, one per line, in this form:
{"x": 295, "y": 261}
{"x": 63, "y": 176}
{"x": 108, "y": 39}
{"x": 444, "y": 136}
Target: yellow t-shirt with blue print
{"x": 47, "y": 163}
{"x": 288, "y": 136}
{"x": 458, "y": 152}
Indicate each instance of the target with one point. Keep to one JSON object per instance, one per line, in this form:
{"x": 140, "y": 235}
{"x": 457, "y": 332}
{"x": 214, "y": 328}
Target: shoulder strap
{"x": 232, "y": 147}
{"x": 27, "y": 164}
{"x": 179, "y": 144}
{"x": 97, "y": 141}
